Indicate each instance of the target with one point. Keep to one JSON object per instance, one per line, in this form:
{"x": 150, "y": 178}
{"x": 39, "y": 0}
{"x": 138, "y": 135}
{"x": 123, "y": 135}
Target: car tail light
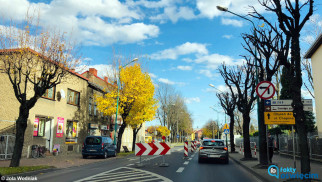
{"x": 102, "y": 145}
{"x": 83, "y": 146}
{"x": 201, "y": 148}
{"x": 225, "y": 148}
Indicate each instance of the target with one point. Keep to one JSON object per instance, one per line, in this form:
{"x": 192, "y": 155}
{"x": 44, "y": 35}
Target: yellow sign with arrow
{"x": 279, "y": 118}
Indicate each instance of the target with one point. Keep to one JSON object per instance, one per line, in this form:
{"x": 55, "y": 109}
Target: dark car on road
{"x": 98, "y": 146}
{"x": 213, "y": 149}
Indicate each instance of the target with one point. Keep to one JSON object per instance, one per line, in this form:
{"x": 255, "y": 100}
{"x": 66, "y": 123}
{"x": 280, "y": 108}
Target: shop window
{"x": 71, "y": 131}
{"x": 39, "y": 127}
{"x": 50, "y": 93}
{"x": 95, "y": 110}
{"x": 72, "y": 97}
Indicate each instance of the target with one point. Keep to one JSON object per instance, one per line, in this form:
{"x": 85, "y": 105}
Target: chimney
{"x": 93, "y": 71}
{"x": 106, "y": 79}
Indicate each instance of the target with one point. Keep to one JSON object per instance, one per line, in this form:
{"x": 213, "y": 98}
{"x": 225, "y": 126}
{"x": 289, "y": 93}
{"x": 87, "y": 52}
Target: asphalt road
{"x": 126, "y": 169}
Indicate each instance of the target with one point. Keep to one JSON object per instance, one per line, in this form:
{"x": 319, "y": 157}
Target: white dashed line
{"x": 186, "y": 163}
{"x": 180, "y": 169}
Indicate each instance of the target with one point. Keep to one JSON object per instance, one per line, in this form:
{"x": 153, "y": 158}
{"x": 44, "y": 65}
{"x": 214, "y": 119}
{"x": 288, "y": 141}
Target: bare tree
{"x": 228, "y": 103}
{"x": 243, "y": 79}
{"x": 292, "y": 16}
{"x": 33, "y": 59}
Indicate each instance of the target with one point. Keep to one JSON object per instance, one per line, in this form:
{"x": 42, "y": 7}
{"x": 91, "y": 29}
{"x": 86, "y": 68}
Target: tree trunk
{"x": 298, "y": 106}
{"x": 247, "y": 150}
{"x": 119, "y": 137}
{"x": 21, "y": 125}
{"x": 232, "y": 123}
{"x": 135, "y": 131}
{"x": 263, "y": 160}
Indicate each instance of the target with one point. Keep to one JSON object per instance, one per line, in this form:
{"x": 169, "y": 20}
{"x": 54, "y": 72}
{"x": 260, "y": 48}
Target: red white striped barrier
{"x": 255, "y": 149}
{"x": 186, "y": 149}
{"x": 192, "y": 147}
{"x": 152, "y": 149}
{"x": 195, "y": 145}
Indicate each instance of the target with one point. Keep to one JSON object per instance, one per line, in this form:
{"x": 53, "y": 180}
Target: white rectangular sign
{"x": 306, "y": 102}
{"x": 289, "y": 108}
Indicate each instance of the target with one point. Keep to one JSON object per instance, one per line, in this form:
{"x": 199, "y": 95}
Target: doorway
{"x": 49, "y": 134}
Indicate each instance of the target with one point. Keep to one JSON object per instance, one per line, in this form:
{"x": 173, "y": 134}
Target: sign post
{"x": 226, "y": 132}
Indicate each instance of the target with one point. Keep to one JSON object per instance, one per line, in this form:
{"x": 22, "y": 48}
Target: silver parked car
{"x": 213, "y": 149}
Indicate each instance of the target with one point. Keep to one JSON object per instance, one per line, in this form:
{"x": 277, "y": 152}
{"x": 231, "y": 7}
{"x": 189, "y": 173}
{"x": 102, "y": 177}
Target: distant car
{"x": 98, "y": 146}
{"x": 213, "y": 149}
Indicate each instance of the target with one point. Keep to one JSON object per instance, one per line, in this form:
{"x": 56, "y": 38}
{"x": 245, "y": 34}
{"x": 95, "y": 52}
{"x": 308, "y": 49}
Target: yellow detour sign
{"x": 279, "y": 118}
{"x": 226, "y": 126}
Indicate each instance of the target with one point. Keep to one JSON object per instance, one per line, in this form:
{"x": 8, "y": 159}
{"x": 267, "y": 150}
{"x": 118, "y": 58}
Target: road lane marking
{"x": 130, "y": 165}
{"x": 193, "y": 155}
{"x": 180, "y": 169}
{"x": 186, "y": 163}
{"x": 189, "y": 159}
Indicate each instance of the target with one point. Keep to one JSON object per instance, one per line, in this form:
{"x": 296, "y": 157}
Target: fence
{"x": 314, "y": 144}
{"x": 285, "y": 144}
{"x": 7, "y": 143}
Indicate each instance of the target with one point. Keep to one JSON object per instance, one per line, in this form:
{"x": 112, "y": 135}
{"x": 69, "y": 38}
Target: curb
{"x": 250, "y": 170}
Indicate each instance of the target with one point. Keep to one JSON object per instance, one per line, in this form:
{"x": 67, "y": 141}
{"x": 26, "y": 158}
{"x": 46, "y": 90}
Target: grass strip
{"x": 124, "y": 154}
{"x": 21, "y": 169}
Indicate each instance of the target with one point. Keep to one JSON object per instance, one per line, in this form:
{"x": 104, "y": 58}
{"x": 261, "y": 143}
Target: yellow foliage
{"x": 136, "y": 92}
{"x": 164, "y": 131}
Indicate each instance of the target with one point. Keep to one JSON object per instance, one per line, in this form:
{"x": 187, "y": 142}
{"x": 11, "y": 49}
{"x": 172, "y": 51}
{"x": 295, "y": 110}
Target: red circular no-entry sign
{"x": 265, "y": 90}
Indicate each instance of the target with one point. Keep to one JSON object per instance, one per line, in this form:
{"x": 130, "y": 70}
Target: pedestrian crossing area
{"x": 126, "y": 174}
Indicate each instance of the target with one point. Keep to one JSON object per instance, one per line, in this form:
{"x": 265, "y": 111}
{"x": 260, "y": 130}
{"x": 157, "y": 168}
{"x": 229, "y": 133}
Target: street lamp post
{"x": 117, "y": 98}
{"x": 257, "y": 99}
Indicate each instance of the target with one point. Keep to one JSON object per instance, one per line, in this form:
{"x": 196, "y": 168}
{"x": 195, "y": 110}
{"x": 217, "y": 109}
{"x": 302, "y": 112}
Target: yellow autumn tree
{"x": 136, "y": 103}
{"x": 163, "y": 130}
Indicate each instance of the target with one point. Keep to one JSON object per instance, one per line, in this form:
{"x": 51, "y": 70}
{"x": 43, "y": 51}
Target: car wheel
{"x": 199, "y": 160}
{"x": 114, "y": 153}
{"x": 227, "y": 160}
{"x": 105, "y": 155}
{"x": 84, "y": 156}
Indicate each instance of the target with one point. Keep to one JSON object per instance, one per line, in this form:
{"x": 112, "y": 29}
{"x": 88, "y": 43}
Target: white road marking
{"x": 130, "y": 165}
{"x": 180, "y": 169}
{"x": 186, "y": 163}
{"x": 123, "y": 174}
{"x": 193, "y": 155}
{"x": 189, "y": 159}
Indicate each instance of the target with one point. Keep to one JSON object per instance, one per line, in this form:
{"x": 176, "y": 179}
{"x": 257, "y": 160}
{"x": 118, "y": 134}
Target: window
{"x": 39, "y": 127}
{"x": 90, "y": 105}
{"x": 73, "y": 97}
{"x": 95, "y": 110}
{"x": 93, "y": 140}
{"x": 71, "y": 131}
{"x": 50, "y": 93}
{"x": 213, "y": 143}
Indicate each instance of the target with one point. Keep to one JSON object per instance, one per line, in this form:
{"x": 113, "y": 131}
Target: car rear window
{"x": 212, "y": 143}
{"x": 93, "y": 141}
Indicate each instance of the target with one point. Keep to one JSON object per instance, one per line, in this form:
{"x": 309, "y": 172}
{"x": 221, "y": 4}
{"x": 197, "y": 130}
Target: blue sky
{"x": 183, "y": 41}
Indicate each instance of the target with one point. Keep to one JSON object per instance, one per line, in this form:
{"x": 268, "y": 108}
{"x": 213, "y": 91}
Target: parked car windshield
{"x": 93, "y": 140}
{"x": 213, "y": 143}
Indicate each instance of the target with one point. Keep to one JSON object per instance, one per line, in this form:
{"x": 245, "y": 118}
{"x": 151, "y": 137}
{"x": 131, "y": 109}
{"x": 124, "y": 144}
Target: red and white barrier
{"x": 255, "y": 149}
{"x": 186, "y": 149}
{"x": 152, "y": 149}
{"x": 192, "y": 147}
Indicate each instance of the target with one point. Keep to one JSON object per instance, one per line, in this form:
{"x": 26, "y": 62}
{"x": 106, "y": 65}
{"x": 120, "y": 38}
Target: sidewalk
{"x": 278, "y": 160}
{"x": 60, "y": 161}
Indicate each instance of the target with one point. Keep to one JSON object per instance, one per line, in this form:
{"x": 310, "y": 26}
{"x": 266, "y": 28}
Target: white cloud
{"x": 152, "y": 75}
{"x": 184, "y": 68}
{"x": 192, "y": 100}
{"x": 167, "y": 81}
{"x": 184, "y": 49}
{"x": 214, "y": 60}
{"x": 235, "y": 23}
{"x": 208, "y": 8}
{"x": 208, "y": 73}
{"x": 174, "y": 14}
{"x": 93, "y": 22}
{"x": 227, "y": 36}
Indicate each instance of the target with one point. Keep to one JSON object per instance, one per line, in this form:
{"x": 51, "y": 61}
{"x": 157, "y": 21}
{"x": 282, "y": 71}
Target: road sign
{"x": 226, "y": 131}
{"x": 267, "y": 102}
{"x": 152, "y": 149}
{"x": 288, "y": 108}
{"x": 279, "y": 118}
{"x": 306, "y": 102}
{"x": 265, "y": 90}
{"x": 226, "y": 126}
{"x": 177, "y": 136}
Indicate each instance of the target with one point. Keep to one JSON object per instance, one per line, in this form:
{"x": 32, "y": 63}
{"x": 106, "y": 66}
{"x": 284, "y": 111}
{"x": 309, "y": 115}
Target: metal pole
{"x": 117, "y": 106}
{"x": 6, "y": 152}
{"x": 267, "y": 145}
{"x": 293, "y": 147}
